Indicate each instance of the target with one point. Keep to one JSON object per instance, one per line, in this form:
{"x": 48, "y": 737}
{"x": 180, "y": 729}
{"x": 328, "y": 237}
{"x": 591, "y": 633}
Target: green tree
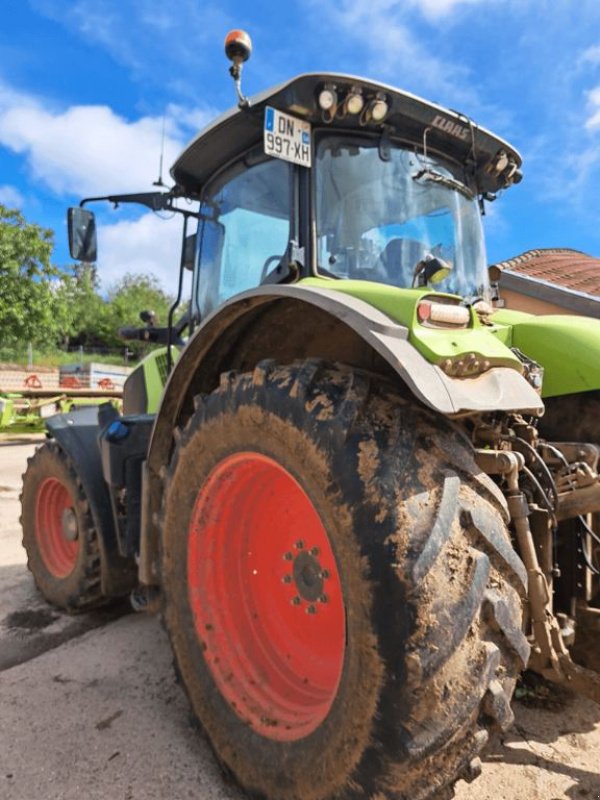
{"x": 132, "y": 294}
{"x": 86, "y": 321}
{"x": 30, "y": 303}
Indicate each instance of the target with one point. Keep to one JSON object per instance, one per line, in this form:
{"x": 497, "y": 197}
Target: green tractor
{"x": 342, "y": 494}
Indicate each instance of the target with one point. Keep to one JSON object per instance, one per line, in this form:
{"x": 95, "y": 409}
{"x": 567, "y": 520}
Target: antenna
{"x": 160, "y": 181}
{"x": 238, "y": 48}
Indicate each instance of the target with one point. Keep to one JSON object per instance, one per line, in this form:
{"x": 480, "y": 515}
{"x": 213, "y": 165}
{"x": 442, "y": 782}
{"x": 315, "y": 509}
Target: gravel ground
{"x": 89, "y": 706}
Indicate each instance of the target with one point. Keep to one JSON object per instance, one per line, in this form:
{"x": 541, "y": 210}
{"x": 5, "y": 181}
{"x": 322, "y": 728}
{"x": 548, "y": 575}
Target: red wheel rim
{"x": 266, "y": 597}
{"x": 53, "y": 504}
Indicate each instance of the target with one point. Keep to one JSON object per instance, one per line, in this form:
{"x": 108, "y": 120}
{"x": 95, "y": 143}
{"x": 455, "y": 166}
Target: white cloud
{"x": 434, "y": 9}
{"x": 593, "y": 121}
{"x": 385, "y": 33}
{"x": 150, "y": 39}
{"x": 591, "y": 55}
{"x": 90, "y": 150}
{"x": 11, "y": 197}
{"x": 148, "y": 245}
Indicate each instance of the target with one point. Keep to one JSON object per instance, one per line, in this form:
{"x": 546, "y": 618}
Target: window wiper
{"x": 444, "y": 180}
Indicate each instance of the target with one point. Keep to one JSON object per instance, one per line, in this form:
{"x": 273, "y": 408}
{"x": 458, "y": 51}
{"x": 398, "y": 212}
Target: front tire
{"x": 58, "y": 532}
{"x": 392, "y": 682}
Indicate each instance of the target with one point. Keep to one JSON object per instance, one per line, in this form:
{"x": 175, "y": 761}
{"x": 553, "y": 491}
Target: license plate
{"x": 287, "y": 137}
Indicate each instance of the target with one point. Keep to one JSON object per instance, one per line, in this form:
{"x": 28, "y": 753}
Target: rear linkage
{"x": 545, "y": 483}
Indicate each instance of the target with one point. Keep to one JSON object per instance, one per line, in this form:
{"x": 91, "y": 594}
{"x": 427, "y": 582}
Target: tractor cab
{"x": 336, "y": 177}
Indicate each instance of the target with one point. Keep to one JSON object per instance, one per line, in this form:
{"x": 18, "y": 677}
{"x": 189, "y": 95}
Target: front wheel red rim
{"x": 266, "y": 597}
{"x": 56, "y": 528}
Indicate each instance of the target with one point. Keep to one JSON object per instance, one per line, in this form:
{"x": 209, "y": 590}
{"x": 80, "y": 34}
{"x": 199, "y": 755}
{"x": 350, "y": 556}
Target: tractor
{"x": 363, "y": 498}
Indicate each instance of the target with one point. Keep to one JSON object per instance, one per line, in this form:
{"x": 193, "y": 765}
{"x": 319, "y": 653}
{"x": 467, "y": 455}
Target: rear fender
{"x": 287, "y": 323}
{"x": 77, "y": 435}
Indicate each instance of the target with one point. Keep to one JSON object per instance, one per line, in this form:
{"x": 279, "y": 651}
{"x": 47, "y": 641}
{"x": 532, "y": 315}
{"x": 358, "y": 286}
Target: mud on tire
{"x": 429, "y": 579}
{"x": 67, "y": 572}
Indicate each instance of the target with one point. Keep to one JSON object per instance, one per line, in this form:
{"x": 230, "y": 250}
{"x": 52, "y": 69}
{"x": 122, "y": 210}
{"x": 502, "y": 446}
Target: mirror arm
{"x": 155, "y": 201}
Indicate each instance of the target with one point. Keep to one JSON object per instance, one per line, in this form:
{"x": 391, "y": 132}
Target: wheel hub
{"x": 307, "y": 576}
{"x": 69, "y": 525}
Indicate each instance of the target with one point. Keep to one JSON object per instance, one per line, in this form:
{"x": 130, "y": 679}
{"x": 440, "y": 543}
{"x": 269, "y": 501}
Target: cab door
{"x": 247, "y": 221}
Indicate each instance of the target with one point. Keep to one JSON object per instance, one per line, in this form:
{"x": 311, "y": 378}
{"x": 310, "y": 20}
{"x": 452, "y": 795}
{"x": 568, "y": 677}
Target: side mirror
{"x": 82, "y": 235}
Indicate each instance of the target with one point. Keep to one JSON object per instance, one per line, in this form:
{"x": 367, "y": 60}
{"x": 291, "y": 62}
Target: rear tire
{"x": 422, "y": 568}
{"x": 58, "y": 532}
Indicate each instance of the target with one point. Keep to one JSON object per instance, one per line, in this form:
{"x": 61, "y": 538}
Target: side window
{"x": 245, "y": 232}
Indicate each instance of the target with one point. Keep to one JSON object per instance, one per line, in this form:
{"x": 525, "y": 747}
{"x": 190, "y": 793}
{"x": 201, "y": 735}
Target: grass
{"x": 56, "y": 357}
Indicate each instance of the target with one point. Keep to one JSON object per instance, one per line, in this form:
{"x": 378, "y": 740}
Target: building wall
{"x": 521, "y": 302}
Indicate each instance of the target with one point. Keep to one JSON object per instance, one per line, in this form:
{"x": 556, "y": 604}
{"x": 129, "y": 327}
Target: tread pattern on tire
{"x": 81, "y": 590}
{"x": 438, "y": 553}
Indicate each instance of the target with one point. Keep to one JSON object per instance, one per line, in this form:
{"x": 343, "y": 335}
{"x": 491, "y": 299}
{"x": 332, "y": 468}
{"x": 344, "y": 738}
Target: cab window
{"x": 244, "y": 232}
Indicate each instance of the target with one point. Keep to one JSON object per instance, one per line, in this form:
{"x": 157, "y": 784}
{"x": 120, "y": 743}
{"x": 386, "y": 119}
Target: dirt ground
{"x": 89, "y": 706}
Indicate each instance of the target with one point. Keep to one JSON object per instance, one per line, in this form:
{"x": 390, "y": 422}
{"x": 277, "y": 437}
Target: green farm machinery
{"x": 363, "y": 499}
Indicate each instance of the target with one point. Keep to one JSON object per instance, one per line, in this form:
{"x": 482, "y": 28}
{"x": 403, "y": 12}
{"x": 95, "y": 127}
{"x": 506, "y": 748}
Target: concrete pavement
{"x": 87, "y": 709}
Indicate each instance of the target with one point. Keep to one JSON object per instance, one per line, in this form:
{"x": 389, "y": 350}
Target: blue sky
{"x": 85, "y": 84}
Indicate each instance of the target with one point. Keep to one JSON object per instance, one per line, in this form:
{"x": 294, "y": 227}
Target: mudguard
{"x": 77, "y": 434}
{"x": 287, "y": 323}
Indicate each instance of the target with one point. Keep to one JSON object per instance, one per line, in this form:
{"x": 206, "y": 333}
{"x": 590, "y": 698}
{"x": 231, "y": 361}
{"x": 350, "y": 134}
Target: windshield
{"x": 378, "y": 217}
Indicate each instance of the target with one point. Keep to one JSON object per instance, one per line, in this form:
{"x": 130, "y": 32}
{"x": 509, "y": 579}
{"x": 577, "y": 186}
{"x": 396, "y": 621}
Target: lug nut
{"x": 311, "y": 609}
{"x": 287, "y": 556}
{"x": 296, "y": 600}
{"x": 299, "y": 545}
{"x": 324, "y": 574}
{"x": 286, "y": 579}
{"x": 323, "y": 599}
{"x": 314, "y": 551}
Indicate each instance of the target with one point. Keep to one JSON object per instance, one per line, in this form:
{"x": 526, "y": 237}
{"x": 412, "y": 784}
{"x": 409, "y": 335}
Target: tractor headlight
{"x": 354, "y": 102}
{"x": 379, "y": 109}
{"x": 327, "y": 98}
{"x": 376, "y": 110}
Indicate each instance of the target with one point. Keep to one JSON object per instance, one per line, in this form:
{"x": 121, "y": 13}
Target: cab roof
{"x": 493, "y": 162}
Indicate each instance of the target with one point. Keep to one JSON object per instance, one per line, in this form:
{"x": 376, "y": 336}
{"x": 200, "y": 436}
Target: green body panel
{"x": 504, "y": 320}
{"x": 6, "y": 411}
{"x": 435, "y": 344}
{"x": 154, "y": 366}
{"x": 567, "y": 347}
{"x": 20, "y": 414}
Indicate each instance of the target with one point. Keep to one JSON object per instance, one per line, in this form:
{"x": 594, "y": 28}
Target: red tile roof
{"x": 569, "y": 269}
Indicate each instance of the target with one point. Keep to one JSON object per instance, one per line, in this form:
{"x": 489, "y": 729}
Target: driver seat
{"x": 399, "y": 258}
